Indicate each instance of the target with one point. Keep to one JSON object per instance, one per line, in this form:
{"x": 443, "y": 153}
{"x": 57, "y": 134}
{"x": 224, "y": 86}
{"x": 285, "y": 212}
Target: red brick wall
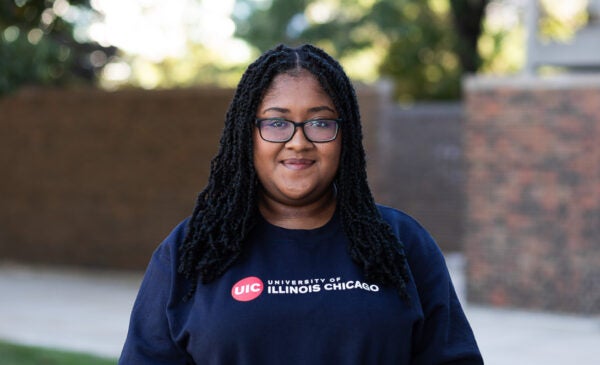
{"x": 420, "y": 152}
{"x": 533, "y": 192}
{"x": 98, "y": 179}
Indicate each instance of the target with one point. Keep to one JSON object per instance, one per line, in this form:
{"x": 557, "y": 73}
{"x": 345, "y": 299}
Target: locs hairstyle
{"x": 226, "y": 209}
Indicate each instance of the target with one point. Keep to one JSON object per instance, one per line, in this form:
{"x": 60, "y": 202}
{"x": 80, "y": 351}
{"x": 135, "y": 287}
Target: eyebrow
{"x": 311, "y": 110}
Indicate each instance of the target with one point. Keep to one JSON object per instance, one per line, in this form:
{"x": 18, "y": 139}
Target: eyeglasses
{"x": 282, "y": 130}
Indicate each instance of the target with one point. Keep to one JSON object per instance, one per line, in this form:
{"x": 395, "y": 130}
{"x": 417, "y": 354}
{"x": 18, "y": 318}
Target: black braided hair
{"x": 226, "y": 209}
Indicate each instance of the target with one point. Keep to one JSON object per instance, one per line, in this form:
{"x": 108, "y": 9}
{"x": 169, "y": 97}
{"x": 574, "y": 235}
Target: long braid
{"x": 373, "y": 244}
{"x": 226, "y": 209}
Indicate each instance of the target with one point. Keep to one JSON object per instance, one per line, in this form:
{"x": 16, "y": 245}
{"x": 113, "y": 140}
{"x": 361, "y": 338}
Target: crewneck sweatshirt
{"x": 296, "y": 297}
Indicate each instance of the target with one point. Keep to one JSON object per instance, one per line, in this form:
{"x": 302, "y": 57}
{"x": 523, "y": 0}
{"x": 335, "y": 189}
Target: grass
{"x": 11, "y": 354}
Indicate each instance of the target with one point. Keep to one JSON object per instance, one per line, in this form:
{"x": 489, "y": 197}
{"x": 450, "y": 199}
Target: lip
{"x": 297, "y": 163}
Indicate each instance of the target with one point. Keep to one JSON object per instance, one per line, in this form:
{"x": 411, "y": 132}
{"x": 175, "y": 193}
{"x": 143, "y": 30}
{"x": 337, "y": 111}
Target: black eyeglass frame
{"x": 258, "y": 121}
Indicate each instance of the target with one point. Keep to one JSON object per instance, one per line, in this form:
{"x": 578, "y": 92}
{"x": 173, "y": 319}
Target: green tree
{"x": 421, "y": 57}
{"x": 264, "y": 26}
{"x": 38, "y": 45}
{"x": 426, "y": 46}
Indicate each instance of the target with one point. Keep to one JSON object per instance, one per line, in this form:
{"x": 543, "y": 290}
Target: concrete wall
{"x": 533, "y": 192}
{"x": 99, "y": 178}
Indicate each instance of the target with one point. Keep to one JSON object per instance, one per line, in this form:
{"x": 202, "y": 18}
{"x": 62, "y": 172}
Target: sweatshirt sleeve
{"x": 150, "y": 338}
{"x": 444, "y": 336}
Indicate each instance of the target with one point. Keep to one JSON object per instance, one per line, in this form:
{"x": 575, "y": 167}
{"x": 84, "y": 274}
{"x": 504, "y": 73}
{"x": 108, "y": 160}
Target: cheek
{"x": 263, "y": 154}
{"x": 257, "y": 156}
{"x": 334, "y": 153}
{"x": 259, "y": 147}
{"x": 255, "y": 145}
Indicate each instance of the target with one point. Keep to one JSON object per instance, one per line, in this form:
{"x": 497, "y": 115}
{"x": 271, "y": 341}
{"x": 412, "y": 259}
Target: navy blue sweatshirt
{"x": 296, "y": 297}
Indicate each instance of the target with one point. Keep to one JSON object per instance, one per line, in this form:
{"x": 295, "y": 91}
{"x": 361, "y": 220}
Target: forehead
{"x": 297, "y": 80}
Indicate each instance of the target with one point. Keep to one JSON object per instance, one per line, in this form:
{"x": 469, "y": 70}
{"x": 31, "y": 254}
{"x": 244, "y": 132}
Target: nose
{"x": 299, "y": 140}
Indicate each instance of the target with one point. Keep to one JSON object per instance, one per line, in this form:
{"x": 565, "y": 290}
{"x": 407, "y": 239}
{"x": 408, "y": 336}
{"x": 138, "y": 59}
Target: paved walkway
{"x": 89, "y": 311}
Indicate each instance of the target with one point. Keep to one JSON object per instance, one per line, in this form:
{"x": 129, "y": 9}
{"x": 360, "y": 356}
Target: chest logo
{"x": 247, "y": 289}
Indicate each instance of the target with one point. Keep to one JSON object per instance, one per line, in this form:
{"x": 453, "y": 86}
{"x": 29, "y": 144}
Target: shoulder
{"x": 177, "y": 234}
{"x": 403, "y": 225}
{"x": 393, "y": 215}
{"x": 169, "y": 247}
{"x": 417, "y": 241}
{"x": 163, "y": 266}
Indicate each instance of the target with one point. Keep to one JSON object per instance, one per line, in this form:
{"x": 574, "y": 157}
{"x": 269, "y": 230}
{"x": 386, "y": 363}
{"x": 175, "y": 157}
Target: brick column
{"x": 532, "y": 147}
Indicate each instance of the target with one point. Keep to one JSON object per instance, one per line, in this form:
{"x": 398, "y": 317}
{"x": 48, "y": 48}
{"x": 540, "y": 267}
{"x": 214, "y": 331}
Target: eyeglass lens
{"x": 279, "y": 130}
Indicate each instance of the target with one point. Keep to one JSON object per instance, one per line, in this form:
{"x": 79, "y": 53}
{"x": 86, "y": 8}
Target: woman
{"x": 286, "y": 258}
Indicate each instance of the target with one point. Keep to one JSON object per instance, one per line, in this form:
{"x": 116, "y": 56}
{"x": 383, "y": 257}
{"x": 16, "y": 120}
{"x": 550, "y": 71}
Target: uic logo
{"x": 247, "y": 289}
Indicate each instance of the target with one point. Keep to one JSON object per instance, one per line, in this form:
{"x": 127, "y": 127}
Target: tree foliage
{"x": 38, "y": 45}
{"x": 425, "y": 45}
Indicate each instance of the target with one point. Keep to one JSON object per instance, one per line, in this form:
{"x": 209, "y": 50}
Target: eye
{"x": 276, "y": 123}
{"x": 321, "y": 123}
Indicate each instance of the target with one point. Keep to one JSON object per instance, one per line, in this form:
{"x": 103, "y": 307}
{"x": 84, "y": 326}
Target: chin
{"x": 304, "y": 198}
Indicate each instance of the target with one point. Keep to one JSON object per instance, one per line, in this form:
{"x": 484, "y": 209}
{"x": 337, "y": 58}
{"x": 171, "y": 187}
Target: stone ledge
{"x": 532, "y": 82}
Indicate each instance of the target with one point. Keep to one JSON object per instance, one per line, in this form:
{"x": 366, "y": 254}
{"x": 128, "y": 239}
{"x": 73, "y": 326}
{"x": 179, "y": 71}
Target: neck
{"x": 308, "y": 216}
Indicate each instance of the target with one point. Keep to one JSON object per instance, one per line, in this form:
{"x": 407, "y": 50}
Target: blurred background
{"x": 481, "y": 120}
{"x": 424, "y": 47}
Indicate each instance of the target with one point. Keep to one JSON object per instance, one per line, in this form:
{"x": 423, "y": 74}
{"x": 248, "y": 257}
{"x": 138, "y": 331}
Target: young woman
{"x": 286, "y": 258}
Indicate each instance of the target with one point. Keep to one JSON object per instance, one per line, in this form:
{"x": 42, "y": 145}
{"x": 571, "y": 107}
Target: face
{"x": 297, "y": 172}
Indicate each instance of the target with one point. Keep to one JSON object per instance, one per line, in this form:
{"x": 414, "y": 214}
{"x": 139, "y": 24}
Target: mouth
{"x": 297, "y": 163}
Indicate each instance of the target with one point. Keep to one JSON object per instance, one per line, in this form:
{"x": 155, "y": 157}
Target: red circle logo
{"x": 247, "y": 289}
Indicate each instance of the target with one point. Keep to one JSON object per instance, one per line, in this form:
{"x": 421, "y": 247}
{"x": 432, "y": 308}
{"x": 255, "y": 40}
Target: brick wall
{"x": 99, "y": 178}
{"x": 533, "y": 192}
{"x": 422, "y": 167}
